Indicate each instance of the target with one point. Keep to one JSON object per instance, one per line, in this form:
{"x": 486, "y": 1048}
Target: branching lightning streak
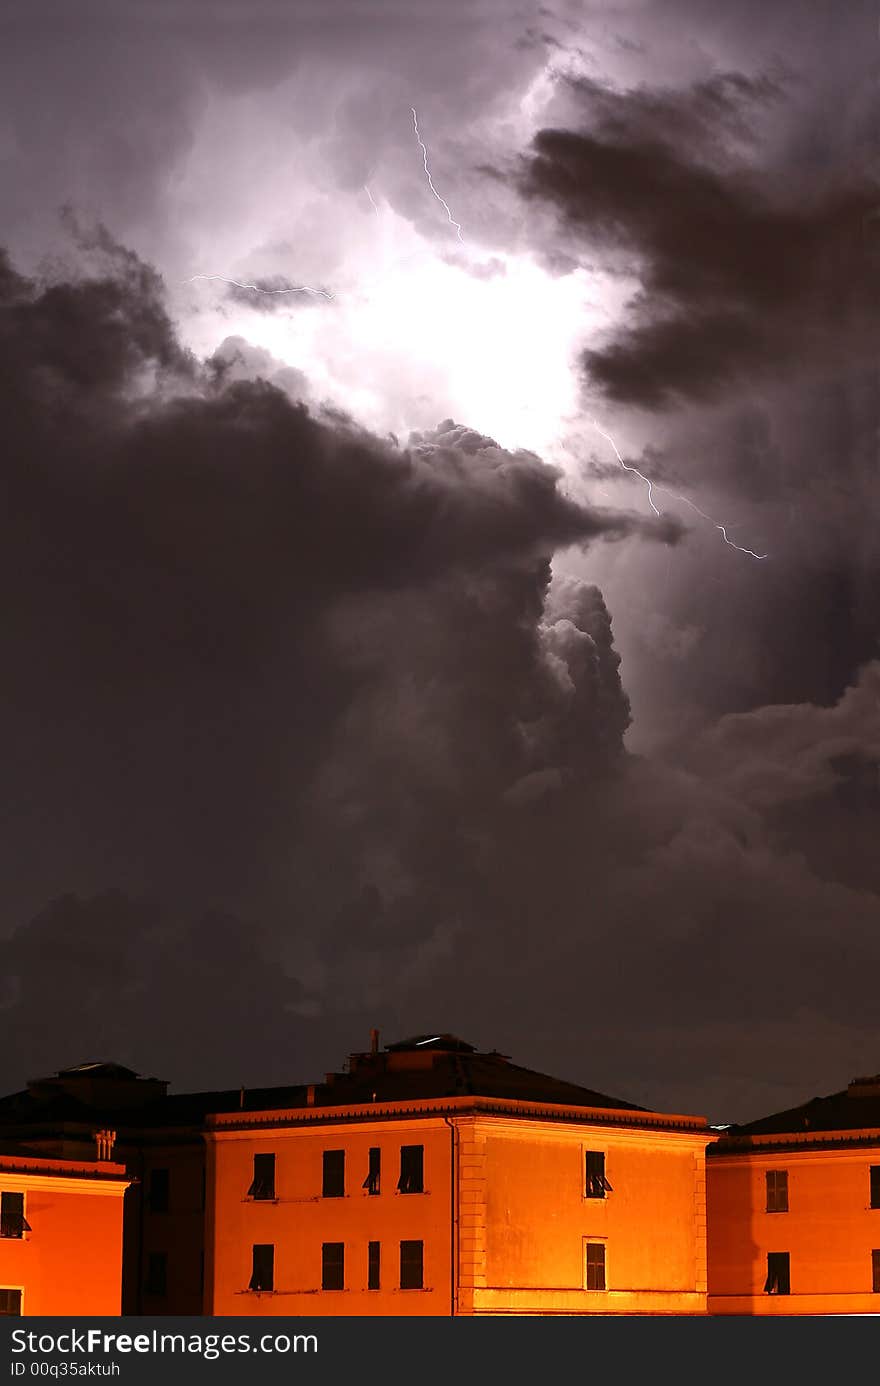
{"x": 655, "y": 486}
{"x": 299, "y": 289}
{"x": 370, "y": 196}
{"x": 443, "y": 203}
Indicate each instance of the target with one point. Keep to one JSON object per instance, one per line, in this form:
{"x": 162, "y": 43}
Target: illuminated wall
{"x": 819, "y": 1216}
{"x": 535, "y": 1217}
{"x": 299, "y": 1220}
{"x": 513, "y": 1232}
{"x": 66, "y": 1256}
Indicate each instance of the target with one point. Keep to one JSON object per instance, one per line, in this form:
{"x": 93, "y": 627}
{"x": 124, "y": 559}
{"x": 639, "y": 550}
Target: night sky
{"x": 350, "y": 677}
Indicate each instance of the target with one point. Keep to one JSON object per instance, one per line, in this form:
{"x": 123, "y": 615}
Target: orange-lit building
{"x": 60, "y": 1234}
{"x": 434, "y": 1180}
{"x": 157, "y": 1139}
{"x": 429, "y": 1179}
{"x": 794, "y": 1209}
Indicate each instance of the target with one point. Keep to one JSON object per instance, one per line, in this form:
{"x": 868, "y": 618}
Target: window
{"x": 12, "y": 1218}
{"x": 160, "y": 1185}
{"x": 596, "y": 1185}
{"x": 373, "y": 1263}
{"x": 875, "y": 1186}
{"x": 263, "y": 1273}
{"x": 875, "y": 1270}
{"x": 594, "y": 1265}
{"x": 333, "y": 1266}
{"x": 778, "y": 1280}
{"x": 777, "y": 1191}
{"x": 412, "y": 1267}
{"x": 263, "y": 1182}
{"x": 412, "y": 1169}
{"x": 157, "y": 1273}
{"x": 10, "y": 1303}
{"x": 371, "y": 1183}
{"x": 333, "y": 1185}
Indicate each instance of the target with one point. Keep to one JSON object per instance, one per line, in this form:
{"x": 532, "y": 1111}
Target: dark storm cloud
{"x": 103, "y": 969}
{"x": 335, "y": 703}
{"x": 260, "y": 656}
{"x": 328, "y": 701}
{"x": 741, "y": 270}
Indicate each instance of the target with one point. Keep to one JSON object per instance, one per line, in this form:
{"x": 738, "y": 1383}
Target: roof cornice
{"x": 457, "y": 1106}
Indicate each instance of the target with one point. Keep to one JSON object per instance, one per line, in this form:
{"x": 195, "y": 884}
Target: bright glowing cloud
{"x": 489, "y": 342}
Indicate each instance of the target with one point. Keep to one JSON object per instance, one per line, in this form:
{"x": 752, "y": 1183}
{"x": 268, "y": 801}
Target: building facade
{"x": 60, "y": 1235}
{"x": 433, "y": 1180}
{"x": 105, "y": 1112}
{"x": 429, "y": 1179}
{"x": 794, "y": 1209}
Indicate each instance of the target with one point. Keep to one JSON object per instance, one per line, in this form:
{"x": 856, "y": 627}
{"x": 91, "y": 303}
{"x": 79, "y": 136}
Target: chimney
{"x": 104, "y": 1142}
{"x": 374, "y": 1042}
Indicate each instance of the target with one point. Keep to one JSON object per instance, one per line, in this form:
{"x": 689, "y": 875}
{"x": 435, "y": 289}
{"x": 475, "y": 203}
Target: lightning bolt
{"x": 299, "y": 289}
{"x": 370, "y": 196}
{"x": 653, "y": 486}
{"x": 443, "y": 204}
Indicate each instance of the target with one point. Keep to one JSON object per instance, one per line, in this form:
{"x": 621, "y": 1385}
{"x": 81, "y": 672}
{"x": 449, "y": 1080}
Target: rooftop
{"x": 855, "y": 1108}
{"x": 424, "y": 1067}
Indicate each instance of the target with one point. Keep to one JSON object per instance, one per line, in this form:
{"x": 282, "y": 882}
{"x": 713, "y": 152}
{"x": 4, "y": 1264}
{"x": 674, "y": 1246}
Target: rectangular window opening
{"x": 777, "y": 1190}
{"x": 160, "y": 1189}
{"x": 157, "y": 1273}
{"x": 333, "y": 1182}
{"x": 263, "y": 1183}
{"x": 875, "y": 1271}
{"x": 412, "y": 1169}
{"x": 373, "y": 1266}
{"x": 596, "y": 1185}
{"x": 875, "y": 1186}
{"x": 263, "y": 1272}
{"x": 778, "y": 1280}
{"x": 333, "y": 1266}
{"x": 595, "y": 1265}
{"x": 371, "y": 1183}
{"x": 412, "y": 1265}
{"x": 10, "y": 1303}
{"x": 12, "y": 1219}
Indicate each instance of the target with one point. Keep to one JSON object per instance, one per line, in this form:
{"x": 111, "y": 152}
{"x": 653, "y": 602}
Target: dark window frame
{"x": 13, "y": 1223}
{"x": 374, "y": 1265}
{"x": 596, "y": 1183}
{"x": 874, "y": 1185}
{"x": 262, "y": 1188}
{"x": 776, "y": 1188}
{"x": 412, "y": 1169}
{"x": 156, "y": 1278}
{"x": 373, "y": 1181}
{"x": 333, "y": 1174}
{"x": 262, "y": 1279}
{"x": 11, "y": 1290}
{"x": 875, "y": 1270}
{"x": 778, "y": 1280}
{"x": 159, "y": 1196}
{"x": 412, "y": 1264}
{"x": 595, "y": 1266}
{"x": 333, "y": 1266}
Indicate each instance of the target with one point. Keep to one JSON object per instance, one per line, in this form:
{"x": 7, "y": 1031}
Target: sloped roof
{"x": 457, "y": 1073}
{"x": 851, "y": 1109}
{"x": 423, "y": 1067}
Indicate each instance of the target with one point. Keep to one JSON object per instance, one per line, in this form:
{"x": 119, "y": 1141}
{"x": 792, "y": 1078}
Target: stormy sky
{"x": 439, "y": 538}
